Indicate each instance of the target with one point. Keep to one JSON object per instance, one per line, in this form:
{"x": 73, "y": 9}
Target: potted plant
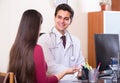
{"x": 105, "y": 4}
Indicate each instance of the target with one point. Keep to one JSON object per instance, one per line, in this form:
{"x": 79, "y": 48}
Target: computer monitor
{"x": 106, "y": 47}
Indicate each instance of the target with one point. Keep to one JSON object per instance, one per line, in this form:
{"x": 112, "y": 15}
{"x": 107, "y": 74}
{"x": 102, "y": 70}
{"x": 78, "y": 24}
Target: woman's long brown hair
{"x": 21, "y": 55}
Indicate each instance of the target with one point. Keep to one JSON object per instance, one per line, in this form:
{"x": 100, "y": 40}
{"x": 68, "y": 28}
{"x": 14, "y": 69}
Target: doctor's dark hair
{"x": 64, "y": 7}
{"x": 21, "y": 61}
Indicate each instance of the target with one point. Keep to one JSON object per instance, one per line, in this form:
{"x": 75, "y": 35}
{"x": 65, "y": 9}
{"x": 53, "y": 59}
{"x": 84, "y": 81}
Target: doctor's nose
{"x": 62, "y": 20}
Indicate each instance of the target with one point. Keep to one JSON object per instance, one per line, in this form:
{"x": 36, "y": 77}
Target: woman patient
{"x": 26, "y": 57}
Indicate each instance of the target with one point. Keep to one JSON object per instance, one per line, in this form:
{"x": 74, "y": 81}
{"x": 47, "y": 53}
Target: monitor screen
{"x": 106, "y": 47}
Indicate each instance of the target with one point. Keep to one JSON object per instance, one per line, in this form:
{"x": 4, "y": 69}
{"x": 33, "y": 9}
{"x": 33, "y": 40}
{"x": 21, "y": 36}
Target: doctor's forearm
{"x": 54, "y": 68}
{"x": 60, "y": 75}
{"x": 65, "y": 72}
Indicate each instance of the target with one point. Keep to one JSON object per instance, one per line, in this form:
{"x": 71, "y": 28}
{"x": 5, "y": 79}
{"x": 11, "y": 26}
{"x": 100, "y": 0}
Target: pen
{"x": 98, "y": 66}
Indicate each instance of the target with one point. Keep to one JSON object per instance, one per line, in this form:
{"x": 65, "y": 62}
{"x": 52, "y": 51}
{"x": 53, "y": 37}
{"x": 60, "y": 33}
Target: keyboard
{"x": 105, "y": 73}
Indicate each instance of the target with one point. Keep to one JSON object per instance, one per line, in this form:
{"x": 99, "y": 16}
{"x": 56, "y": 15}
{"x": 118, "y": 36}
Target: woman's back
{"x": 41, "y": 67}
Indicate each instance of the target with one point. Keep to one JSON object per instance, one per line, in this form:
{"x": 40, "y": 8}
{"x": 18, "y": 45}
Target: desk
{"x": 86, "y": 81}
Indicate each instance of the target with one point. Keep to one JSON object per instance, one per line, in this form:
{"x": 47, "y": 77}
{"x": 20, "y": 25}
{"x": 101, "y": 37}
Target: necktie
{"x": 64, "y": 40}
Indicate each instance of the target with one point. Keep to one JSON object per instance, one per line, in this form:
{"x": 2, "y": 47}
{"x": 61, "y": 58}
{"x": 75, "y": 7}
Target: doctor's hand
{"x": 71, "y": 70}
{"x": 79, "y": 74}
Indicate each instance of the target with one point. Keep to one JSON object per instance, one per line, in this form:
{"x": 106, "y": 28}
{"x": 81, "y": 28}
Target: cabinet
{"x": 116, "y": 5}
{"x": 101, "y": 22}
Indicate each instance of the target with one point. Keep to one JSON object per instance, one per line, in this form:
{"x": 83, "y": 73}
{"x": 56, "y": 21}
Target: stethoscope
{"x": 54, "y": 44}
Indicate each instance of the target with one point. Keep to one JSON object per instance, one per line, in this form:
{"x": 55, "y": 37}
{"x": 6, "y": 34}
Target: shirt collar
{"x": 58, "y": 35}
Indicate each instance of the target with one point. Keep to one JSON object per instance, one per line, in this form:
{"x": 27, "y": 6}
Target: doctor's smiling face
{"x": 63, "y": 17}
{"x": 62, "y": 20}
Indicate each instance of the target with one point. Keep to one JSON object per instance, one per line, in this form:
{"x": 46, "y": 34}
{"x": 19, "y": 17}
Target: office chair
{"x": 7, "y": 77}
{"x": 41, "y": 34}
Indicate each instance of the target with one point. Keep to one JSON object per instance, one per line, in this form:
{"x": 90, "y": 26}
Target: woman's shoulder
{"x": 38, "y": 47}
{"x": 38, "y": 51}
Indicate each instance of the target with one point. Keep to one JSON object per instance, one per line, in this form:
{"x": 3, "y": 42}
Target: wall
{"x": 11, "y": 12}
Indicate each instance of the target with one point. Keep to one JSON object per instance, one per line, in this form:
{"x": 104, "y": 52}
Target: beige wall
{"x": 11, "y": 12}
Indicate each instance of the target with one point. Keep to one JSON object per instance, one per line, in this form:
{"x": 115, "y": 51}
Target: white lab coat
{"x": 57, "y": 57}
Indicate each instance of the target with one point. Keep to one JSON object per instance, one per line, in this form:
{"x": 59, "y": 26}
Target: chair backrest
{"x": 41, "y": 34}
{"x": 7, "y": 77}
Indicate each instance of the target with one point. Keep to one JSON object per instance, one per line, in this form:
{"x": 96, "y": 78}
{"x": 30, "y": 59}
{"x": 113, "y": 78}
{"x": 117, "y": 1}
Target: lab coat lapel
{"x": 68, "y": 44}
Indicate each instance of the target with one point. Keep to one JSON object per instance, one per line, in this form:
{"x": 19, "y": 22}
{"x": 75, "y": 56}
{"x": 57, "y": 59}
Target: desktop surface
{"x": 86, "y": 81}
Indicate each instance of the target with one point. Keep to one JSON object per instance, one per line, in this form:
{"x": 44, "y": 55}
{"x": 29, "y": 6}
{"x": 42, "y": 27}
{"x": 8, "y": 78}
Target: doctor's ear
{"x": 70, "y": 21}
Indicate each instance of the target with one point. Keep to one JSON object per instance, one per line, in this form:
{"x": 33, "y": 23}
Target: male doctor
{"x": 58, "y": 56}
